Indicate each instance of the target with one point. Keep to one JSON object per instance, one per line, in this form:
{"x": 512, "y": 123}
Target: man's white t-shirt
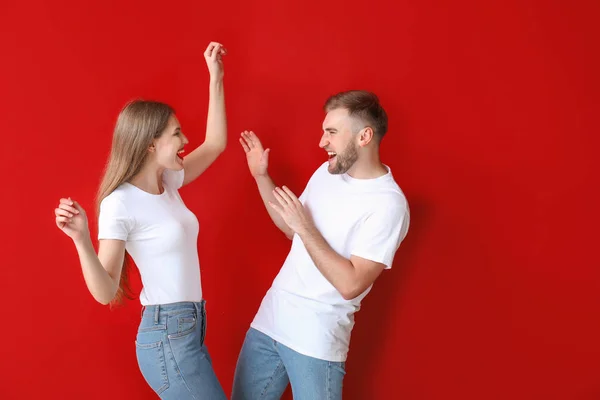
{"x": 367, "y": 218}
{"x": 161, "y": 236}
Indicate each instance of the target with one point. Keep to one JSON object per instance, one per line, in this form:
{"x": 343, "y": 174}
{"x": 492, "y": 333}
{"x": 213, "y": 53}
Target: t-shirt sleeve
{"x": 173, "y": 179}
{"x": 380, "y": 235}
{"x": 114, "y": 222}
{"x": 303, "y": 195}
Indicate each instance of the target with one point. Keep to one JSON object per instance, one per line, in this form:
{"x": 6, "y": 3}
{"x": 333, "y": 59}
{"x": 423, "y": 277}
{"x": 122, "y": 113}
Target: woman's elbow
{"x": 104, "y": 298}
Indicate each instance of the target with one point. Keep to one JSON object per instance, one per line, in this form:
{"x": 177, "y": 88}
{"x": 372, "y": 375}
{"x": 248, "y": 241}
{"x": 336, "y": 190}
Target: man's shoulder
{"x": 389, "y": 196}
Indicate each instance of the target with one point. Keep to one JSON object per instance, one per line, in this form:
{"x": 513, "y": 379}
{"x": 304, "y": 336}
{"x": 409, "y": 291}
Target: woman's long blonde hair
{"x": 138, "y": 124}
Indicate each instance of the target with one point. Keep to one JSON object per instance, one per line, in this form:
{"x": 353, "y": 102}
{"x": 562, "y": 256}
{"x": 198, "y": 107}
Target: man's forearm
{"x": 265, "y": 187}
{"x": 338, "y": 270}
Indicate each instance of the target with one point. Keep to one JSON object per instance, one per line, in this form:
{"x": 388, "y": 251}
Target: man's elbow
{"x": 351, "y": 292}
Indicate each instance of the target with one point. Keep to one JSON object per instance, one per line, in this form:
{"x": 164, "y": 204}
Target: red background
{"x": 493, "y": 121}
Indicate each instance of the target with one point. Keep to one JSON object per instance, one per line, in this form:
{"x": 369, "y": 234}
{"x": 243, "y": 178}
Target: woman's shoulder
{"x": 117, "y": 199}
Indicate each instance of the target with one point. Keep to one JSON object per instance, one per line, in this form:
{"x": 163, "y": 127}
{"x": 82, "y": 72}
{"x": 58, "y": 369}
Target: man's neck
{"x": 370, "y": 168}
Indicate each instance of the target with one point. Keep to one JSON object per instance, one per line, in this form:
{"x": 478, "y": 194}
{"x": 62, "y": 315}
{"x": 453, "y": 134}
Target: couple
{"x": 344, "y": 229}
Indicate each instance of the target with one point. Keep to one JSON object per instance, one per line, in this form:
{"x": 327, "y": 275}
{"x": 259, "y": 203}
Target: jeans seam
{"x": 164, "y": 373}
{"x": 163, "y": 365}
{"x": 329, "y": 381}
{"x": 153, "y": 328}
{"x": 177, "y": 370}
{"x": 271, "y": 380}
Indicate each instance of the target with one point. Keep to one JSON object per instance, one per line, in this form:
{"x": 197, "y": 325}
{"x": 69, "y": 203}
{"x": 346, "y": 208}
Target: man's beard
{"x": 345, "y": 160}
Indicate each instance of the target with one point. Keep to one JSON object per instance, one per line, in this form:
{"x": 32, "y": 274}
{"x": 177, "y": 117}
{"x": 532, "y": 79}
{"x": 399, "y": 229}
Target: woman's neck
{"x": 149, "y": 179}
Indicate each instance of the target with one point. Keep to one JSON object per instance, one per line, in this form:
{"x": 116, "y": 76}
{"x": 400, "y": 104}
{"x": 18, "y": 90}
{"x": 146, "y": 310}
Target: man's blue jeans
{"x": 265, "y": 367}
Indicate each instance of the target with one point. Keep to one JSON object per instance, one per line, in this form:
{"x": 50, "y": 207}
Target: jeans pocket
{"x": 151, "y": 360}
{"x": 185, "y": 326}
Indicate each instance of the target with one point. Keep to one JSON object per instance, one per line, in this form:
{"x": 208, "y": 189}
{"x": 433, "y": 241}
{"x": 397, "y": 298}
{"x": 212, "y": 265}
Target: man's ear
{"x": 365, "y": 136}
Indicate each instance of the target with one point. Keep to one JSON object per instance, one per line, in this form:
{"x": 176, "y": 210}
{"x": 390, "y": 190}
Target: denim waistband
{"x": 156, "y": 310}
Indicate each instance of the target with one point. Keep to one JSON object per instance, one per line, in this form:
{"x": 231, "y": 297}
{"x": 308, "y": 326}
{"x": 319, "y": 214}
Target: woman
{"x": 142, "y": 214}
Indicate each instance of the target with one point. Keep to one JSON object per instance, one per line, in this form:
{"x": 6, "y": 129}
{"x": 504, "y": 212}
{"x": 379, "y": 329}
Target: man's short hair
{"x": 361, "y": 105}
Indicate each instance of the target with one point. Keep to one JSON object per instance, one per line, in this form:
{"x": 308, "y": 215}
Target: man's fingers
{"x": 254, "y": 138}
{"x": 244, "y": 145}
{"x": 286, "y": 198}
{"x": 290, "y": 194}
{"x": 276, "y": 207}
{"x": 279, "y": 196}
{"x": 248, "y": 139}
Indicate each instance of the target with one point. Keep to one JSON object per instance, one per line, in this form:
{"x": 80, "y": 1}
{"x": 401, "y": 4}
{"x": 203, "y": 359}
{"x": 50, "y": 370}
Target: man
{"x": 345, "y": 229}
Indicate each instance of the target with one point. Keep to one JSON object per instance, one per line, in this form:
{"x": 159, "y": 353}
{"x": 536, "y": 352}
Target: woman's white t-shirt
{"x": 161, "y": 236}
